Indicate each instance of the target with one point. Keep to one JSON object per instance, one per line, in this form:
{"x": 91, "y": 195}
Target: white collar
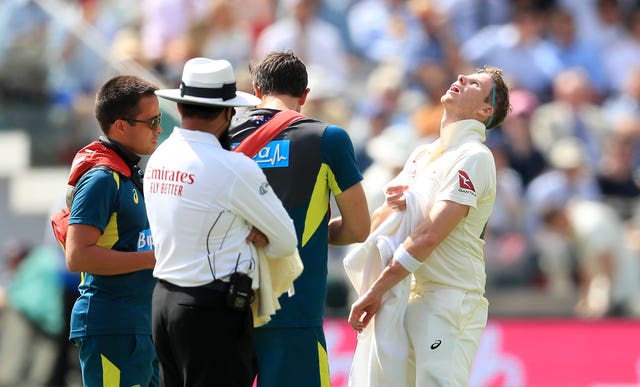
{"x": 195, "y": 135}
{"x": 462, "y": 131}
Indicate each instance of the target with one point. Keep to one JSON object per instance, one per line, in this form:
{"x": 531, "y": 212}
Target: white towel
{"x": 276, "y": 277}
{"x": 382, "y": 351}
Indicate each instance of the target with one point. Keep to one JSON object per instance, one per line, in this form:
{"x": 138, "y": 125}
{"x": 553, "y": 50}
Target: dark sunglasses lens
{"x": 155, "y": 122}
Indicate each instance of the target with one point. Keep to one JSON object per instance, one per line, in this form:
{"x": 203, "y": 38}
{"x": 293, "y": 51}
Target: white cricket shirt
{"x": 464, "y": 173}
{"x": 202, "y": 202}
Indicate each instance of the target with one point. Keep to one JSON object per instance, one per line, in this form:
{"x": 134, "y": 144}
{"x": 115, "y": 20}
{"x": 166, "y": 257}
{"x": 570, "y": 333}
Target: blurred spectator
{"x": 518, "y": 48}
{"x": 509, "y": 260}
{"x": 598, "y": 21}
{"x": 607, "y": 271}
{"x": 572, "y": 113}
{"x": 32, "y": 320}
{"x": 435, "y": 45}
{"x": 75, "y": 70}
{"x": 380, "y": 30}
{"x": 258, "y": 14}
{"x": 523, "y": 157}
{"x": 380, "y": 109}
{"x": 435, "y": 79}
{"x": 79, "y": 29}
{"x": 177, "y": 51}
{"x": 574, "y": 51}
{"x": 388, "y": 152}
{"x": 601, "y": 22}
{"x": 316, "y": 42}
{"x": 325, "y": 102}
{"x": 625, "y": 102}
{"x": 225, "y": 35}
{"x": 51, "y": 53}
{"x": 567, "y": 179}
{"x": 66, "y": 368}
{"x": 472, "y": 16}
{"x": 164, "y": 21}
{"x": 507, "y": 213}
{"x": 14, "y": 251}
{"x": 127, "y": 47}
{"x": 617, "y": 176}
{"x": 623, "y": 55}
{"x": 23, "y": 62}
{"x": 24, "y": 72}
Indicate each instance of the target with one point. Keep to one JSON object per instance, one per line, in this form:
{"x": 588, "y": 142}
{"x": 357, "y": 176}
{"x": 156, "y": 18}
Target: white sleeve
{"x": 254, "y": 200}
{"x": 467, "y": 179}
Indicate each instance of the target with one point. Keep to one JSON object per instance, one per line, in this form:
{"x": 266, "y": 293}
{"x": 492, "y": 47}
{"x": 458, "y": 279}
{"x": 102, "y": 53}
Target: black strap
{"x": 132, "y": 160}
{"x": 227, "y": 91}
{"x": 137, "y": 177}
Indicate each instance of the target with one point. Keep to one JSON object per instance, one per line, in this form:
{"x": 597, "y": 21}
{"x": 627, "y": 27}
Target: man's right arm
{"x": 93, "y": 203}
{"x": 84, "y": 255}
{"x": 354, "y": 223}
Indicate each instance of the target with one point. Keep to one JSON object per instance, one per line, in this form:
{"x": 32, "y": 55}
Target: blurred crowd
{"x": 567, "y": 215}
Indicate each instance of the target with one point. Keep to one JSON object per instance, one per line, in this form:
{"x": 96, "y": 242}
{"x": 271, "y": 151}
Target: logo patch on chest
{"x": 274, "y": 155}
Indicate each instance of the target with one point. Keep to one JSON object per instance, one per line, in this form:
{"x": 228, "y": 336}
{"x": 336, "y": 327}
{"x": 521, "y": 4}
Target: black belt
{"x": 217, "y": 285}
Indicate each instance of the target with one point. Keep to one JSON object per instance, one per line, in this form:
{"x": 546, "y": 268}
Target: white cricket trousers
{"x": 444, "y": 327}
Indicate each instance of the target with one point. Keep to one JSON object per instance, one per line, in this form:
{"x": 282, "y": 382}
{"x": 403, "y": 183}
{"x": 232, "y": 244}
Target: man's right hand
{"x": 258, "y": 238}
{"x": 363, "y": 310}
{"x": 394, "y": 197}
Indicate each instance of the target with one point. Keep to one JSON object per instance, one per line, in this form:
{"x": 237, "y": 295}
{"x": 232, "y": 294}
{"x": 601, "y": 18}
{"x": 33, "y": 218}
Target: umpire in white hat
{"x": 208, "y": 208}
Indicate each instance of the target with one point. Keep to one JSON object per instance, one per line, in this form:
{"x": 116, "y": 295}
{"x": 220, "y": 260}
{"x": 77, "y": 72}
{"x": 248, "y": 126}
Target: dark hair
{"x": 118, "y": 98}
{"x": 204, "y": 112}
{"x": 208, "y": 113}
{"x": 280, "y": 73}
{"x": 500, "y": 100}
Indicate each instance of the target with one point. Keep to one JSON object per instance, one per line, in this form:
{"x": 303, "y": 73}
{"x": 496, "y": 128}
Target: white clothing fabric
{"x": 445, "y": 327}
{"x": 457, "y": 167}
{"x": 464, "y": 173}
{"x": 202, "y": 202}
{"x": 276, "y": 277}
{"x": 383, "y": 343}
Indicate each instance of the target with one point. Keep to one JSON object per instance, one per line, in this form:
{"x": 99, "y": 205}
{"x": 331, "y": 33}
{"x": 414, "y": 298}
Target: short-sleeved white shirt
{"x": 202, "y": 202}
{"x": 464, "y": 173}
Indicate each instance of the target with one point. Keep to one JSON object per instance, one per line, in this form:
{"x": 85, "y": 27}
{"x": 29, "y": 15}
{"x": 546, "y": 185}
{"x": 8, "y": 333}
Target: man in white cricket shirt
{"x": 454, "y": 182}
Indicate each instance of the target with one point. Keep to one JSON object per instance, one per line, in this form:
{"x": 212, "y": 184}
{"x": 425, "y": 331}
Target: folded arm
{"x": 83, "y": 254}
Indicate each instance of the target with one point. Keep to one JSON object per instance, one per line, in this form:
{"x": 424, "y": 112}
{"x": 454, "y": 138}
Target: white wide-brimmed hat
{"x": 208, "y": 82}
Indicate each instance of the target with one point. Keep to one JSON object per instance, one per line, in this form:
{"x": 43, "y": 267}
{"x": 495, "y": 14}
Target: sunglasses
{"x": 152, "y": 123}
